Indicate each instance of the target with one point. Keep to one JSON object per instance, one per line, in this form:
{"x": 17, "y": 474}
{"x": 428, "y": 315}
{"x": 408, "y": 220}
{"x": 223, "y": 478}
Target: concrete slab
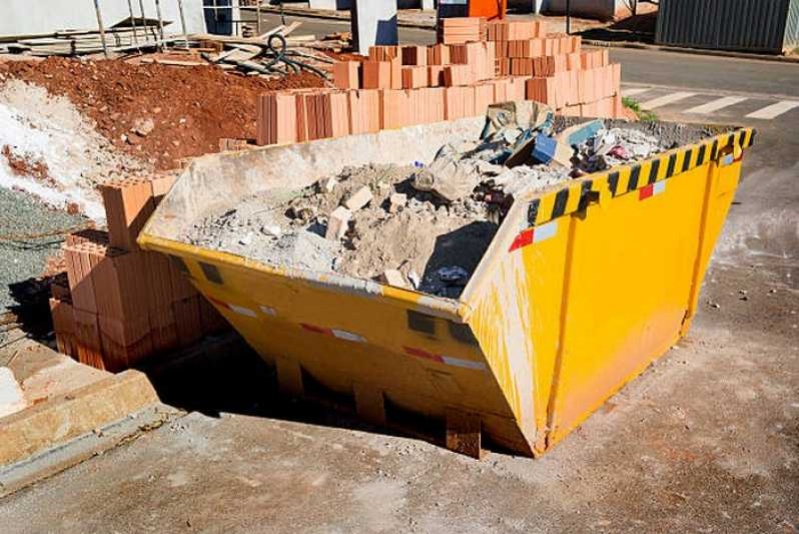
{"x": 63, "y": 417}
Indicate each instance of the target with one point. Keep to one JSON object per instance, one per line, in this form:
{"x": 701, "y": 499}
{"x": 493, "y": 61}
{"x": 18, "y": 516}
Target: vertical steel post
{"x": 183, "y": 23}
{"x": 568, "y": 17}
{"x": 101, "y": 27}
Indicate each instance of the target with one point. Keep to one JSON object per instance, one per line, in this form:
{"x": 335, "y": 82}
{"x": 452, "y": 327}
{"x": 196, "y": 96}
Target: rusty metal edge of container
{"x": 541, "y": 209}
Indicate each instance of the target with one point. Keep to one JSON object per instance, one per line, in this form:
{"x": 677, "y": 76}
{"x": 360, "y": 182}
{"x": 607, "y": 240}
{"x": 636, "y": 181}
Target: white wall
{"x": 376, "y": 24}
{"x": 24, "y": 17}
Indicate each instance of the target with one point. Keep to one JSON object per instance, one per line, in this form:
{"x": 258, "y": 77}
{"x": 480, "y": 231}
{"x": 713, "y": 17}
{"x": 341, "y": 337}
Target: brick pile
{"x": 119, "y": 305}
{"x": 476, "y": 64}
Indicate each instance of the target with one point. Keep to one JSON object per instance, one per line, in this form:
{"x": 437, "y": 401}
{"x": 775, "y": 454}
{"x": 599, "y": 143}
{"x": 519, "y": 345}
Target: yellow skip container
{"x": 582, "y": 287}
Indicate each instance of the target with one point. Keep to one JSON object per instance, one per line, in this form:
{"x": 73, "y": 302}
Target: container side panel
{"x": 517, "y": 316}
{"x": 420, "y": 361}
{"x": 633, "y": 263}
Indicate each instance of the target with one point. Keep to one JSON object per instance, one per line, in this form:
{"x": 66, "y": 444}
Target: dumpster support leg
{"x": 289, "y": 377}
{"x": 370, "y": 404}
{"x": 464, "y": 433}
{"x": 698, "y": 274}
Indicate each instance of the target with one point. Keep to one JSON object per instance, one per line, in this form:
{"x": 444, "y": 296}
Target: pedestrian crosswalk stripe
{"x": 774, "y": 110}
{"x": 634, "y": 91}
{"x": 666, "y": 100}
{"x": 716, "y": 105}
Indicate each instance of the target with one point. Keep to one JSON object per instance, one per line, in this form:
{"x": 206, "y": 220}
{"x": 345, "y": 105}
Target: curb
{"x": 691, "y": 51}
{"x": 52, "y": 461}
{"x": 78, "y": 412}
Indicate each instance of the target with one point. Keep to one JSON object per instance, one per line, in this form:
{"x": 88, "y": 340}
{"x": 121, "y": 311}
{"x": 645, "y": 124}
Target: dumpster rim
{"x": 457, "y": 309}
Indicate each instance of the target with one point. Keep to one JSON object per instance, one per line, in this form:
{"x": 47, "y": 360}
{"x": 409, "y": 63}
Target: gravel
{"x": 20, "y": 260}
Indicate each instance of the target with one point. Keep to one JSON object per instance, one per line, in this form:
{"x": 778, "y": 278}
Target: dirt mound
{"x": 158, "y": 113}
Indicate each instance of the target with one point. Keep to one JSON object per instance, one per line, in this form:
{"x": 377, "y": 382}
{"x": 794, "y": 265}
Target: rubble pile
{"x": 421, "y": 227}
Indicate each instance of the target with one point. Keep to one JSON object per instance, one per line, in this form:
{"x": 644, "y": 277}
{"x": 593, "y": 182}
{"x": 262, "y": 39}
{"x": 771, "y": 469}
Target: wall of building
{"x": 747, "y": 25}
{"x": 29, "y": 17}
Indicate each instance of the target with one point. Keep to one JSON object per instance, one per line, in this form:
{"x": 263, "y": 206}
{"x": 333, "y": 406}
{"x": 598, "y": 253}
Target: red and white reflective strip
{"x": 241, "y": 310}
{"x": 534, "y": 235}
{"x": 447, "y": 360}
{"x": 340, "y": 334}
{"x": 269, "y": 311}
{"x": 651, "y": 190}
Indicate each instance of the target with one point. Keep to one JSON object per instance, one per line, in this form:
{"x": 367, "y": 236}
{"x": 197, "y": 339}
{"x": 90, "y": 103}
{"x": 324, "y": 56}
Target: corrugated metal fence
{"x": 749, "y": 25}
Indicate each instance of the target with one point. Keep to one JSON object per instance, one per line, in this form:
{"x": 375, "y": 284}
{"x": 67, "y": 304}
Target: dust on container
{"x": 582, "y": 287}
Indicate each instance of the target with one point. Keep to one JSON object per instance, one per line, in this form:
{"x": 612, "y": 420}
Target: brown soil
{"x": 191, "y": 107}
{"x": 25, "y": 166}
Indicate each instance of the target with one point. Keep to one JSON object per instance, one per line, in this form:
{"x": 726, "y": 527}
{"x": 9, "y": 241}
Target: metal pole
{"x": 133, "y": 23}
{"x": 160, "y": 23}
{"x": 100, "y": 25}
{"x": 568, "y": 17}
{"x": 183, "y": 23}
{"x": 144, "y": 18}
{"x": 258, "y": 14}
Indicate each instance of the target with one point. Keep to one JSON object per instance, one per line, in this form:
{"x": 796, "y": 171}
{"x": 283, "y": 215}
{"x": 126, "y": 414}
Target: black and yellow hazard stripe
{"x": 630, "y": 178}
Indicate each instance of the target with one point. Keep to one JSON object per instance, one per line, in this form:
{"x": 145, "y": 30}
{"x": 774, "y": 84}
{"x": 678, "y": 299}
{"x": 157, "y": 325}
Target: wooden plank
{"x": 464, "y": 433}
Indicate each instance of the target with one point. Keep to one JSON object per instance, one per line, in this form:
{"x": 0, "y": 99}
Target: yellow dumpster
{"x": 583, "y": 286}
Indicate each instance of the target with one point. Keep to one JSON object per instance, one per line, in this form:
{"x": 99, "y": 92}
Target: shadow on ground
{"x": 637, "y": 29}
{"x": 225, "y": 376}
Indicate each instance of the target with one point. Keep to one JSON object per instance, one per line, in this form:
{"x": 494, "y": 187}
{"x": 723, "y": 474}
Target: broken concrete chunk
{"x": 302, "y": 212}
{"x": 327, "y": 186}
{"x": 393, "y": 277}
{"x": 360, "y": 199}
{"x": 272, "y": 230}
{"x": 143, "y": 127}
{"x": 247, "y": 239}
{"x": 12, "y": 400}
{"x": 396, "y": 202}
{"x": 338, "y": 223}
{"x": 448, "y": 178}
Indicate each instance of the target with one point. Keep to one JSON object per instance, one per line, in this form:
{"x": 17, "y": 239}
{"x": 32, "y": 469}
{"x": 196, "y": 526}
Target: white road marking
{"x": 716, "y": 105}
{"x": 774, "y": 110}
{"x": 634, "y": 91}
{"x": 666, "y": 100}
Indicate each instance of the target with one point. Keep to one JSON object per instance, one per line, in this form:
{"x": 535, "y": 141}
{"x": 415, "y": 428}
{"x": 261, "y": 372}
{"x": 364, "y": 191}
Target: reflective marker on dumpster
{"x": 447, "y": 360}
{"x": 651, "y": 190}
{"x": 340, "y": 334}
{"x": 534, "y": 235}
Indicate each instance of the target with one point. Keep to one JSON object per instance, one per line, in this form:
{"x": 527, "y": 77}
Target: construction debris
{"x": 390, "y": 223}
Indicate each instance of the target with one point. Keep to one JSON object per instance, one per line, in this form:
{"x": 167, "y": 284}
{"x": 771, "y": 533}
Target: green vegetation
{"x": 635, "y": 107}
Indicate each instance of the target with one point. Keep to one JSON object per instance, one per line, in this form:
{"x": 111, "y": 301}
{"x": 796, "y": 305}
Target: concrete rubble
{"x": 426, "y": 227}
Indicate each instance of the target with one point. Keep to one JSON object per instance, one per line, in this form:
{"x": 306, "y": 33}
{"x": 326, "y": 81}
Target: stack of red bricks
{"x": 461, "y": 30}
{"x": 579, "y": 85}
{"x": 478, "y": 63}
{"x": 119, "y": 305}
